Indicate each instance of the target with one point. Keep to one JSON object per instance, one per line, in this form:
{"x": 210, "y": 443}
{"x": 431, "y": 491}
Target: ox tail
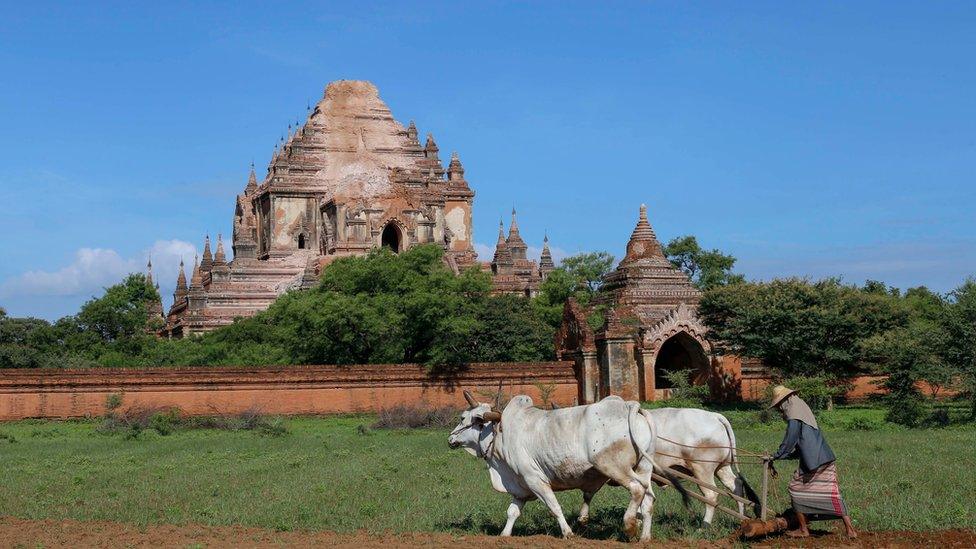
{"x": 635, "y": 409}
{"x": 742, "y": 487}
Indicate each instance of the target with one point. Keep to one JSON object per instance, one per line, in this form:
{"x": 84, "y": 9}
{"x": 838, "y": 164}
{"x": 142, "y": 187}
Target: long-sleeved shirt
{"x": 805, "y": 443}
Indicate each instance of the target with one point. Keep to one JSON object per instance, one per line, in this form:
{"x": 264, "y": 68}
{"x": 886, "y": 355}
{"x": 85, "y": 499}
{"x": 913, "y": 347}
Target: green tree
{"x": 27, "y": 343}
{"x": 961, "y": 328}
{"x": 587, "y": 270}
{"x": 705, "y": 268}
{"x": 799, "y": 327}
{"x": 907, "y": 355}
{"x": 509, "y": 328}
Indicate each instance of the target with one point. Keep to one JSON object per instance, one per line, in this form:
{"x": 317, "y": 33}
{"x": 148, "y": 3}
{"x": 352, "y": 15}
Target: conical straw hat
{"x": 779, "y": 395}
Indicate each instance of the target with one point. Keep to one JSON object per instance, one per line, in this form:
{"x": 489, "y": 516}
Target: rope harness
{"x": 739, "y": 452}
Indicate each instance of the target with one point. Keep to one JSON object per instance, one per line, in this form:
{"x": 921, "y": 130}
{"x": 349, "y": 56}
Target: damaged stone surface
{"x": 349, "y": 179}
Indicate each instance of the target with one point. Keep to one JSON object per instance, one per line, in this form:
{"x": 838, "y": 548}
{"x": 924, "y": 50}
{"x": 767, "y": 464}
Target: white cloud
{"x": 95, "y": 268}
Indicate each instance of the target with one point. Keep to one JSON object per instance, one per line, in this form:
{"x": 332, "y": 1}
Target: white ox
{"x": 700, "y": 443}
{"x": 533, "y": 453}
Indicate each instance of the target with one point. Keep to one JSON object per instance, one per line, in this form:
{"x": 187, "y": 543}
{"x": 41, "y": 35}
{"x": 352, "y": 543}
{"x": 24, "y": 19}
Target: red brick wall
{"x": 747, "y": 379}
{"x": 50, "y": 393}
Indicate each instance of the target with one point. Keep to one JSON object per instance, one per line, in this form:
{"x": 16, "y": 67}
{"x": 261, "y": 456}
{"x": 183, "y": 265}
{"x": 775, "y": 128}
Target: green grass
{"x": 328, "y": 475}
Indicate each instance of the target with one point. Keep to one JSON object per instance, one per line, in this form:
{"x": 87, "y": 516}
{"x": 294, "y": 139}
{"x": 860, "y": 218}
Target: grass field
{"x": 332, "y": 474}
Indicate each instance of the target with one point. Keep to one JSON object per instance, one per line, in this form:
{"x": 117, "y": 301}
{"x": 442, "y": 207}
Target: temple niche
{"x": 649, "y": 327}
{"x": 349, "y": 179}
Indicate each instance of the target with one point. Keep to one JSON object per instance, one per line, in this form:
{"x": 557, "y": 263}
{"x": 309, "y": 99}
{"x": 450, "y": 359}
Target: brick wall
{"x": 49, "y": 393}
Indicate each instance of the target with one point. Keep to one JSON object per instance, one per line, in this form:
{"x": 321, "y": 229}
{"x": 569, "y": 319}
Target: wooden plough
{"x": 749, "y": 527}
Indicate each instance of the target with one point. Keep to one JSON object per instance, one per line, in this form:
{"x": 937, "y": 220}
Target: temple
{"x": 347, "y": 180}
{"x": 641, "y": 326}
{"x": 514, "y": 273}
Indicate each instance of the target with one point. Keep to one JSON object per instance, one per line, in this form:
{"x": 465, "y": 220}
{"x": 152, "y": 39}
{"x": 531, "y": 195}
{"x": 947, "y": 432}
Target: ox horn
{"x": 470, "y": 399}
{"x": 492, "y": 416}
{"x": 554, "y": 405}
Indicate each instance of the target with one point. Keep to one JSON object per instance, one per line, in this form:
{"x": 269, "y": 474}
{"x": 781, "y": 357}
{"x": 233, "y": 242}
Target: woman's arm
{"x": 790, "y": 440}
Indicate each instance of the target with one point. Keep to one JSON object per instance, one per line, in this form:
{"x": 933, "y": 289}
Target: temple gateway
{"x": 649, "y": 328}
{"x": 349, "y": 179}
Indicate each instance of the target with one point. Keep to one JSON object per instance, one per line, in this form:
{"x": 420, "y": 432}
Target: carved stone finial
{"x": 455, "y": 171}
{"x": 207, "y": 263}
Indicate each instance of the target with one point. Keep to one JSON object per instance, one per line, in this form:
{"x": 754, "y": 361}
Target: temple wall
{"x": 457, "y": 218}
{"x": 738, "y": 379}
{"x": 285, "y": 390}
{"x": 288, "y": 213}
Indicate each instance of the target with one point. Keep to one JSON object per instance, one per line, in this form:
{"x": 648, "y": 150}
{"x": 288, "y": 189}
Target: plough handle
{"x": 658, "y": 478}
{"x": 766, "y": 460}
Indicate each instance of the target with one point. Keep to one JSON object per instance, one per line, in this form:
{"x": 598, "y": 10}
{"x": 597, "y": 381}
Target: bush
{"x": 249, "y": 420}
{"x": 863, "y": 424}
{"x": 907, "y": 410}
{"x": 132, "y": 422}
{"x": 938, "y": 418}
{"x": 818, "y": 392}
{"x": 684, "y": 393}
{"x": 415, "y": 416}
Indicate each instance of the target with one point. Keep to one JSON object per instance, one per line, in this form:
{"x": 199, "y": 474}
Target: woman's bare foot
{"x": 851, "y": 533}
{"x": 798, "y": 534}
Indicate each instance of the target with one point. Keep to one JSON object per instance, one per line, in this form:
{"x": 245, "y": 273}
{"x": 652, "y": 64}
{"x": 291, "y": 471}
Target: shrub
{"x": 938, "y": 418}
{"x": 906, "y": 410}
{"x": 249, "y": 420}
{"x": 132, "y": 422}
{"x": 863, "y": 424}
{"x": 684, "y": 393}
{"x": 415, "y": 416}
{"x": 113, "y": 401}
{"x": 818, "y": 392}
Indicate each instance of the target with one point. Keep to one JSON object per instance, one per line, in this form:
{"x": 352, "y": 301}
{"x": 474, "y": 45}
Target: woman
{"x": 813, "y": 488}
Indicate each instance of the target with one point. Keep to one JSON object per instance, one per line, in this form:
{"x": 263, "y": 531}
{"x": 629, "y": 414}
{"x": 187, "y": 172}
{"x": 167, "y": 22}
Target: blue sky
{"x": 824, "y": 139}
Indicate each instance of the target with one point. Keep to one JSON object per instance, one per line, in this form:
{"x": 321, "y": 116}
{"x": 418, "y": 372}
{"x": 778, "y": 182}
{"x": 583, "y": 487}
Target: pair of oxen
{"x": 532, "y": 453}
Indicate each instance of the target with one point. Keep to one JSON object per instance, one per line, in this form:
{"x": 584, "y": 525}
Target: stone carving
{"x": 682, "y": 319}
{"x": 362, "y": 170}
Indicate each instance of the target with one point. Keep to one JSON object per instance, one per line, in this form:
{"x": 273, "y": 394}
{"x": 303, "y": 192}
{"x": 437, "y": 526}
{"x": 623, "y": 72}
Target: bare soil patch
{"x": 16, "y": 532}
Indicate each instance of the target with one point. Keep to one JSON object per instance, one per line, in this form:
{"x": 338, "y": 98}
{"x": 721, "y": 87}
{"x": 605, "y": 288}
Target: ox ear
{"x": 492, "y": 416}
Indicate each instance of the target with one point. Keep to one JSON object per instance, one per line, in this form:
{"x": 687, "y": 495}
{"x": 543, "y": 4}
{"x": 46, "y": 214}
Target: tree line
{"x": 411, "y": 308}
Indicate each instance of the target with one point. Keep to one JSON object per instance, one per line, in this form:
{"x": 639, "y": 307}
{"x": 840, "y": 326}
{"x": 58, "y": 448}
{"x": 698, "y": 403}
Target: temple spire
{"x": 220, "y": 259}
{"x": 149, "y": 276}
{"x": 412, "y": 134}
{"x": 207, "y": 262}
{"x": 430, "y": 148}
{"x": 455, "y": 171}
{"x": 503, "y": 256}
{"x": 546, "y": 263}
{"x": 643, "y": 242}
{"x": 252, "y": 181}
{"x": 196, "y": 281}
{"x": 516, "y": 245}
{"x": 180, "y": 291}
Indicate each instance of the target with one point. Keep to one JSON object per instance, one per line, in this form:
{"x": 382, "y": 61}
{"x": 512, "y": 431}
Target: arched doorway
{"x": 391, "y": 237}
{"x": 301, "y": 242}
{"x": 680, "y": 352}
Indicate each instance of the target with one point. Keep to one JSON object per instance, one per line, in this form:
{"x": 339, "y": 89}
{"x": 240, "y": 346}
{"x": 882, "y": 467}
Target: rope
{"x": 738, "y": 451}
{"x": 683, "y": 458}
